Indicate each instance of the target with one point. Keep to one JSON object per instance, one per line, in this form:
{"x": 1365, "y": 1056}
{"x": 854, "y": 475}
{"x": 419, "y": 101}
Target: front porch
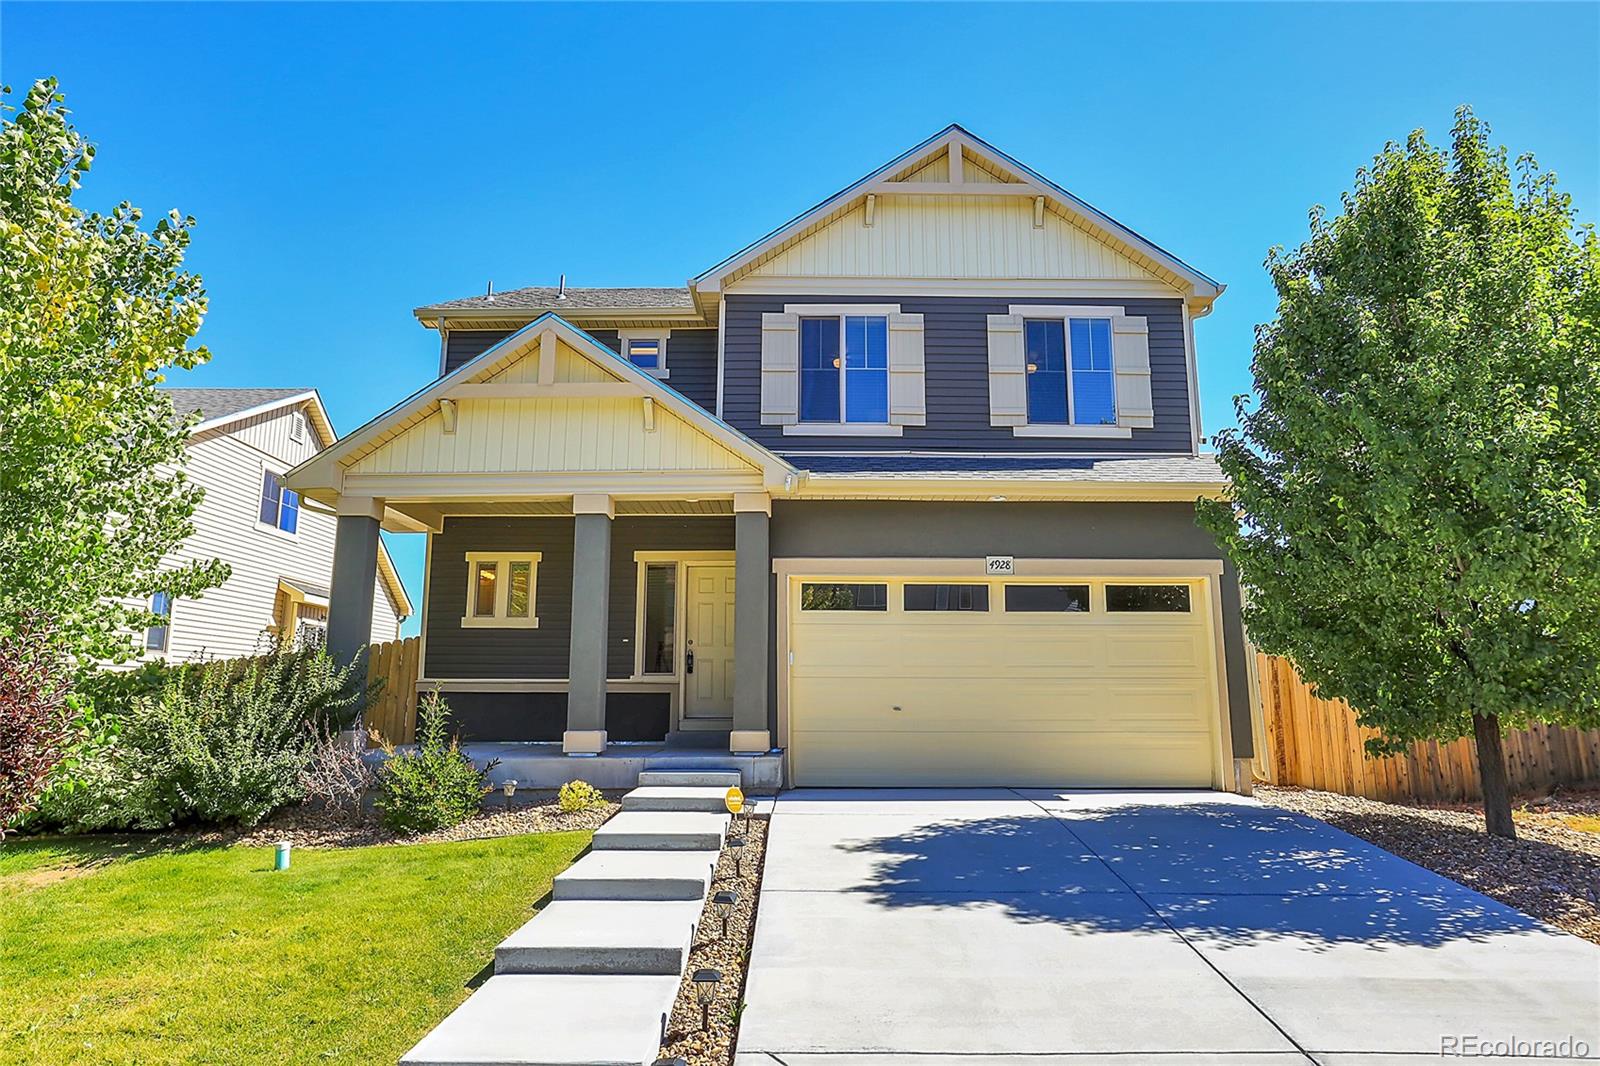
{"x": 546, "y": 765}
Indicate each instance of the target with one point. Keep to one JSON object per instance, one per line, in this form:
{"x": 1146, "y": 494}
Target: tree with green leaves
{"x": 1415, "y": 504}
{"x": 93, "y": 310}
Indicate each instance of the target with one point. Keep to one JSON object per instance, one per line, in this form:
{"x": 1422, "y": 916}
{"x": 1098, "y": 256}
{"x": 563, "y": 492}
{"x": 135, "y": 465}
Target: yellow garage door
{"x": 1056, "y": 682}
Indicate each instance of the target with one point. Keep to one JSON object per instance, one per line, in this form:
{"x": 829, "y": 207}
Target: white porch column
{"x": 355, "y": 572}
{"x": 752, "y": 644}
{"x": 591, "y": 613}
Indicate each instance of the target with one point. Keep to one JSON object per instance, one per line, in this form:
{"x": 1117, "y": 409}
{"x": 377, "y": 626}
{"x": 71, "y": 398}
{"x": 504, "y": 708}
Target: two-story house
{"x": 904, "y": 488}
{"x": 279, "y": 548}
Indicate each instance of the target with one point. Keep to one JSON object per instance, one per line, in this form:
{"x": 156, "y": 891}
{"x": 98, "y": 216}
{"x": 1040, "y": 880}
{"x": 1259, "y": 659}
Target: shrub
{"x": 336, "y": 774}
{"x": 434, "y": 785}
{"x": 220, "y": 741}
{"x": 579, "y": 796}
{"x": 35, "y": 718}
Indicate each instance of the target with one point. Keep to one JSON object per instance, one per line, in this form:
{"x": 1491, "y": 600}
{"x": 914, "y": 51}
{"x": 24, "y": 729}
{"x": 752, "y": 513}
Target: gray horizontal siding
{"x": 956, "y": 349}
{"x": 455, "y": 652}
{"x": 691, "y": 357}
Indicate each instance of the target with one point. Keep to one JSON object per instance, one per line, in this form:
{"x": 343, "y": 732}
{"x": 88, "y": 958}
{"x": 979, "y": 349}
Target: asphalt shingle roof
{"x": 217, "y": 403}
{"x": 1170, "y": 468}
{"x": 543, "y": 298}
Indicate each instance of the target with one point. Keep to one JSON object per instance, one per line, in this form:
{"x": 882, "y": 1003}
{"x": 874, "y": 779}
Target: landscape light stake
{"x": 724, "y": 902}
{"x": 736, "y": 845}
{"x": 510, "y": 789}
{"x": 705, "y": 991}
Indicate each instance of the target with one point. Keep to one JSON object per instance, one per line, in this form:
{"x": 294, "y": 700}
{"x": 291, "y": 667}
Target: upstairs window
{"x": 155, "y": 638}
{"x": 1070, "y": 376}
{"x": 280, "y": 506}
{"x": 844, "y": 369}
{"x": 645, "y": 349}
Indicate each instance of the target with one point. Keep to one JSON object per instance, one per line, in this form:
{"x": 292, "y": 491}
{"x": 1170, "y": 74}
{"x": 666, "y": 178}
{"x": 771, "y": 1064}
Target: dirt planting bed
{"x": 1551, "y": 872}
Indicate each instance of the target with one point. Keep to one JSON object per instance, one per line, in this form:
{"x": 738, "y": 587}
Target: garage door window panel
{"x": 1042, "y": 599}
{"x": 1147, "y": 599}
{"x": 830, "y": 596}
{"x": 967, "y": 598}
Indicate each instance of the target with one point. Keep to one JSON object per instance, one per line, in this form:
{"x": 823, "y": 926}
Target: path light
{"x": 705, "y": 990}
{"x": 736, "y": 845}
{"x": 510, "y": 789}
{"x": 724, "y": 902}
{"x": 671, "y": 1062}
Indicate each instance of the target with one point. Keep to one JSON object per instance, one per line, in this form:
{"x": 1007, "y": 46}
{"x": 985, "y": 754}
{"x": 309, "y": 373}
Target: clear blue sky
{"x": 349, "y": 162}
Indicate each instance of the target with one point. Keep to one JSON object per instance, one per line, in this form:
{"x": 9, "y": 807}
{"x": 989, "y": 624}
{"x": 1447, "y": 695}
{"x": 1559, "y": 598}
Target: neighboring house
{"x": 904, "y": 488}
{"x": 279, "y": 547}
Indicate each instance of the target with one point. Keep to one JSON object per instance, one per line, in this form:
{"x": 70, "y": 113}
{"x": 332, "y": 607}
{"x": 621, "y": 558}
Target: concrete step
{"x": 724, "y": 779}
{"x": 661, "y": 831}
{"x": 602, "y": 936}
{"x": 646, "y": 875}
{"x": 553, "y": 1020}
{"x": 677, "y": 798}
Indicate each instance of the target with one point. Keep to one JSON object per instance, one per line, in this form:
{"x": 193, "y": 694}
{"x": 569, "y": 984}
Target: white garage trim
{"x": 1206, "y": 573}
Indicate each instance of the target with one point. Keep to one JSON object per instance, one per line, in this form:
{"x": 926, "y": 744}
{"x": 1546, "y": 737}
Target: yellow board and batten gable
{"x": 509, "y": 425}
{"x": 957, "y": 210}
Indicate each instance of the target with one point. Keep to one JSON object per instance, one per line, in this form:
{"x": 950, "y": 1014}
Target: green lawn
{"x": 115, "y": 950}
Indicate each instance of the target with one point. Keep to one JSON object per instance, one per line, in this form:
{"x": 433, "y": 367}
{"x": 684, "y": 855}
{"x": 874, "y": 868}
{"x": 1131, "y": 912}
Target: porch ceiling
{"x": 403, "y": 516}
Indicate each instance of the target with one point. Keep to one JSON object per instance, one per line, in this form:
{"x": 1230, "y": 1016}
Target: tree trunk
{"x": 1492, "y": 775}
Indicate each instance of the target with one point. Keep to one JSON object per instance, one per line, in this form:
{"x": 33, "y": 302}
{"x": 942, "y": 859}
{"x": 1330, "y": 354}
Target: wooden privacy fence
{"x": 1314, "y": 743}
{"x": 393, "y": 712}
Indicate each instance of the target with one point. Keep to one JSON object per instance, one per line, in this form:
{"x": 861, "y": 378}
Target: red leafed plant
{"x": 35, "y": 719}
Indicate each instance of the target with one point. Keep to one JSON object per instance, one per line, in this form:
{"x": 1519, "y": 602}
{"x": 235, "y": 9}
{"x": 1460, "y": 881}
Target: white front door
{"x": 708, "y": 653}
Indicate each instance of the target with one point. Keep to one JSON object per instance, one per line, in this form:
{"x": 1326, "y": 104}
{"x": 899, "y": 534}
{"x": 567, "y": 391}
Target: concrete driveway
{"x": 949, "y": 927}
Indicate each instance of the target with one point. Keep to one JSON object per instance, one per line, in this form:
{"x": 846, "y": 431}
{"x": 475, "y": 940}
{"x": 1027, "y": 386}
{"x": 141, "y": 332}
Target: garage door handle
{"x": 896, "y": 707}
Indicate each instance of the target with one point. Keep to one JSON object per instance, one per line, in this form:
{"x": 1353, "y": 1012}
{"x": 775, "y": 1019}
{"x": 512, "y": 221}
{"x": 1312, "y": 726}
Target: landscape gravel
{"x": 1551, "y": 872}
{"x": 728, "y": 952}
{"x": 531, "y": 811}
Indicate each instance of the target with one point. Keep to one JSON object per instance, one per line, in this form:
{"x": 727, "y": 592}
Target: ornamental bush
{"x": 433, "y": 786}
{"x": 35, "y": 719}
{"x": 579, "y": 796}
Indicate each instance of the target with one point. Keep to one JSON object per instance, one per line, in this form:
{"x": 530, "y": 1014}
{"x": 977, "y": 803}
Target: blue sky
{"x": 349, "y": 162}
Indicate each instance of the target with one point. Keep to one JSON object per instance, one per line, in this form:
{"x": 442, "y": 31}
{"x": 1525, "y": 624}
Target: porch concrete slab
{"x": 1196, "y": 845}
{"x": 723, "y": 779}
{"x": 711, "y": 798}
{"x": 647, "y": 875}
{"x": 553, "y": 1020}
{"x": 539, "y": 764}
{"x": 985, "y": 973}
{"x": 932, "y": 855}
{"x": 602, "y": 936}
{"x": 1396, "y": 972}
{"x": 661, "y": 831}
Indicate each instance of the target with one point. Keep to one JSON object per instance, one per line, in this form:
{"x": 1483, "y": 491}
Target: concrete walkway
{"x": 946, "y": 928}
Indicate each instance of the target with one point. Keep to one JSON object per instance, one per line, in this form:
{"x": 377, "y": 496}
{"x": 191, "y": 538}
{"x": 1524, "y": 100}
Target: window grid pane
{"x": 289, "y": 511}
{"x": 1094, "y": 398}
{"x": 645, "y": 353}
{"x": 841, "y": 597}
{"x": 1023, "y": 599}
{"x": 819, "y": 370}
{"x": 484, "y": 580}
{"x": 155, "y": 638}
{"x": 660, "y": 616}
{"x": 1045, "y": 347}
{"x": 517, "y": 604}
{"x": 271, "y": 491}
{"x": 1171, "y": 599}
{"x": 866, "y": 387}
{"x": 947, "y": 597}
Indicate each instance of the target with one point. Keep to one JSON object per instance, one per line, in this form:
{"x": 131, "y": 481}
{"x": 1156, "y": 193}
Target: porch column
{"x": 752, "y": 645}
{"x": 355, "y": 573}
{"x": 591, "y": 613}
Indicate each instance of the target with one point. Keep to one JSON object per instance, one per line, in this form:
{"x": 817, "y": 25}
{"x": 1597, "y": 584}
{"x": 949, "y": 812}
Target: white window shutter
{"x": 780, "y": 369}
{"x": 908, "y": 403}
{"x": 1008, "y": 372}
{"x": 1130, "y": 352}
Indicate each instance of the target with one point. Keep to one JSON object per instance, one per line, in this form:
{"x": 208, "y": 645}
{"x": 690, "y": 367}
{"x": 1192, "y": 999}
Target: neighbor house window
{"x": 155, "y": 638}
{"x": 659, "y": 653}
{"x": 1148, "y": 598}
{"x": 1070, "y": 378}
{"x": 280, "y": 506}
{"x": 647, "y": 351}
{"x": 844, "y": 369}
{"x": 947, "y": 597}
{"x": 1038, "y": 599}
{"x": 818, "y": 596}
{"x": 501, "y": 590}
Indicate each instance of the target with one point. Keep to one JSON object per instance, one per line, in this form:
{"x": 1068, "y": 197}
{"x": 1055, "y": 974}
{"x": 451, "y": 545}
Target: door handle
{"x": 688, "y": 662}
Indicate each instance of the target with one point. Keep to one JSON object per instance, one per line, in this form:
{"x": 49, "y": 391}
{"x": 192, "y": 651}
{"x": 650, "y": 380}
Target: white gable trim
{"x": 957, "y": 142}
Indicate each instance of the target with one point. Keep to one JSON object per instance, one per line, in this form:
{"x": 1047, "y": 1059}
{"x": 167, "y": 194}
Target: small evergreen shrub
{"x": 579, "y": 796}
{"x": 433, "y": 786}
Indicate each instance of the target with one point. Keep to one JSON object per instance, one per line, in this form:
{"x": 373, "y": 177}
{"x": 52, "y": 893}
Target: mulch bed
{"x": 713, "y": 1045}
{"x": 1551, "y": 872}
{"x": 531, "y": 811}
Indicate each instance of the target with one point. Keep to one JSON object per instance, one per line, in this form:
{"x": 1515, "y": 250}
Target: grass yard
{"x": 117, "y": 950}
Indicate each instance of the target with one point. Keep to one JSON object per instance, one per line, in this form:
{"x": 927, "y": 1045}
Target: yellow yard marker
{"x": 734, "y": 799}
